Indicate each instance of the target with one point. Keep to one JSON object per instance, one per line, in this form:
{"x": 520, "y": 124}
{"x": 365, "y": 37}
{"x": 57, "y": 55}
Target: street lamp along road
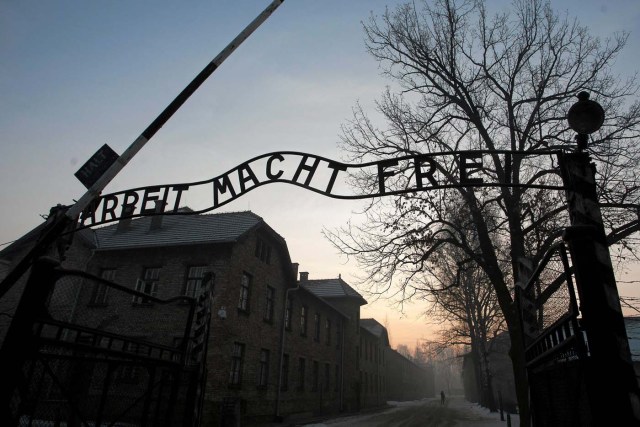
{"x": 585, "y": 117}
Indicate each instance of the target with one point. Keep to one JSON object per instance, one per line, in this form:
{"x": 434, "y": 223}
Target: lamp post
{"x": 610, "y": 382}
{"x": 585, "y": 117}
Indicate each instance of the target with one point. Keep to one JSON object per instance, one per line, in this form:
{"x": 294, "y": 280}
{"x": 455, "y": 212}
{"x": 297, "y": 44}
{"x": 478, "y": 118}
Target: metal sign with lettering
{"x": 97, "y": 165}
{"x": 315, "y": 173}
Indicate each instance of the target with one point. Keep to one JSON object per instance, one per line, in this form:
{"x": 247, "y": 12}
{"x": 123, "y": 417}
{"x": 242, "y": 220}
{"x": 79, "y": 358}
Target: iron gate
{"x": 91, "y": 352}
{"x": 556, "y": 350}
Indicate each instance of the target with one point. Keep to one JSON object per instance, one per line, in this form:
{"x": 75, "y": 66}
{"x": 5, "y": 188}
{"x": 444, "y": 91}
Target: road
{"x": 457, "y": 412}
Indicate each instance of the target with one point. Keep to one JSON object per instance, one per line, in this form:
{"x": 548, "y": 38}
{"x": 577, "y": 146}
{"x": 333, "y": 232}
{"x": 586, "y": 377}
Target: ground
{"x": 456, "y": 412}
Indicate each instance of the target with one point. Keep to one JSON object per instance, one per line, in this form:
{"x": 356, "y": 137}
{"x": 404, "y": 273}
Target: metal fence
{"x": 101, "y": 354}
{"x": 556, "y": 350}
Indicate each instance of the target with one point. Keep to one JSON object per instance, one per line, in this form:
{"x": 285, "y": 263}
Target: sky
{"x": 75, "y": 75}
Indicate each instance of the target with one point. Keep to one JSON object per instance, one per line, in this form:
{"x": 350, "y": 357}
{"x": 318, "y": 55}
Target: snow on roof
{"x": 373, "y": 326}
{"x": 178, "y": 229}
{"x": 332, "y": 288}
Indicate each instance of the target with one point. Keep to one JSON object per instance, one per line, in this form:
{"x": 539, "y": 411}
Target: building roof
{"x": 373, "y": 326}
{"x": 376, "y": 329}
{"x": 179, "y": 230}
{"x": 332, "y": 288}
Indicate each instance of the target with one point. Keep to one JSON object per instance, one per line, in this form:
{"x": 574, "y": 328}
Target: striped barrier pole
{"x": 60, "y": 223}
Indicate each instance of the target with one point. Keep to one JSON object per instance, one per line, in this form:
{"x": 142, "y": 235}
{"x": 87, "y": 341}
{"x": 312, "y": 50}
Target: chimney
{"x": 294, "y": 269}
{"x": 125, "y": 223}
{"x": 156, "y": 219}
{"x": 304, "y": 276}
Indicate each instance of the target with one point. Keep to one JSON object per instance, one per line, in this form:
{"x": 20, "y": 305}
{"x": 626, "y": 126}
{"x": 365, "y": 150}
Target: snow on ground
{"x": 487, "y": 418}
{"x": 467, "y": 414}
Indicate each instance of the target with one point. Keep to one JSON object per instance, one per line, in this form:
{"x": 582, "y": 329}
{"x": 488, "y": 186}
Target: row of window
{"x": 317, "y": 324}
{"x": 148, "y": 284}
{"x": 371, "y": 351}
{"x": 244, "y": 300}
{"x": 319, "y": 380}
{"x": 244, "y": 307}
{"x": 372, "y": 383}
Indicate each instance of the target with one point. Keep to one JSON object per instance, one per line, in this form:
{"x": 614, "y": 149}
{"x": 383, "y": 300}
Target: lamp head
{"x": 585, "y": 116}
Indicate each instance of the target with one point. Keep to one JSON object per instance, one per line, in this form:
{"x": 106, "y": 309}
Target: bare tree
{"x": 404, "y": 350}
{"x": 473, "y": 318}
{"x": 470, "y": 81}
{"x": 461, "y": 298}
{"x": 446, "y": 361}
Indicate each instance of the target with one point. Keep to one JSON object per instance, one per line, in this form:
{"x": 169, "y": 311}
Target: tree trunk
{"x": 520, "y": 375}
{"x": 491, "y": 267}
{"x": 490, "y": 401}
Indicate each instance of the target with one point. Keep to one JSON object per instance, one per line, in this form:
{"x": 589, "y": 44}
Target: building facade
{"x": 277, "y": 346}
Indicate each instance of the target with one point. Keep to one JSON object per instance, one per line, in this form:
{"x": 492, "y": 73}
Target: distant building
{"x": 502, "y": 371}
{"x": 277, "y": 346}
{"x": 632, "y": 325}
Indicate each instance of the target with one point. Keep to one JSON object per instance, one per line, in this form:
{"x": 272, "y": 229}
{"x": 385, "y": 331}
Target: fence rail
{"x": 556, "y": 351}
{"x": 110, "y": 360}
{"x": 548, "y": 310}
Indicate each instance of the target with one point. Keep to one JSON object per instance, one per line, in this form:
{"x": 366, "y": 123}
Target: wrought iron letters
{"x": 324, "y": 176}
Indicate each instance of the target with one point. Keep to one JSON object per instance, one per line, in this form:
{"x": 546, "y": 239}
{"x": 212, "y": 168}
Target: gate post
{"x": 19, "y": 341}
{"x": 613, "y": 388}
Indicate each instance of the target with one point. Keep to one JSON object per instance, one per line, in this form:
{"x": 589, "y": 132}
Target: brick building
{"x": 374, "y": 348}
{"x": 277, "y": 346}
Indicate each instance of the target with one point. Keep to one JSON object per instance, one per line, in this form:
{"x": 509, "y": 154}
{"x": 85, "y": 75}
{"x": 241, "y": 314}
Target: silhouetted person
{"x": 442, "y": 397}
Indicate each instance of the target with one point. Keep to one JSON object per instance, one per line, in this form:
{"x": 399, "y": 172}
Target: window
{"x": 288, "y": 311}
{"x": 327, "y": 330}
{"x": 237, "y": 360}
{"x": 327, "y": 376}
{"x": 316, "y": 327}
{"x": 303, "y": 321}
{"x": 194, "y": 280}
{"x": 263, "y": 371}
{"x": 301, "y": 373}
{"x": 100, "y": 290}
{"x": 316, "y": 373}
{"x": 365, "y": 385}
{"x": 339, "y": 335}
{"x": 285, "y": 373}
{"x": 268, "y": 307}
{"x": 147, "y": 285}
{"x": 336, "y": 381}
{"x": 263, "y": 251}
{"x": 245, "y": 287}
